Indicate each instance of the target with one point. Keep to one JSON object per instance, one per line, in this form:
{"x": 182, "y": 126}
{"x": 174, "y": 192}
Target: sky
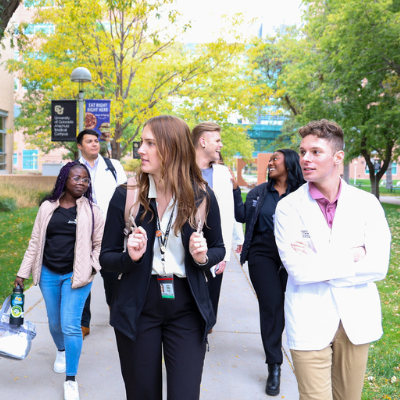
{"x": 206, "y": 16}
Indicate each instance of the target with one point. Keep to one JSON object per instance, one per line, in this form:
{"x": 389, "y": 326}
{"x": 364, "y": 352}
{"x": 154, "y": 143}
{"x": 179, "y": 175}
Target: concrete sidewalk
{"x": 234, "y": 368}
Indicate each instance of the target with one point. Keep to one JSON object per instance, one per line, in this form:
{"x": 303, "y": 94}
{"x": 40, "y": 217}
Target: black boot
{"x": 274, "y": 379}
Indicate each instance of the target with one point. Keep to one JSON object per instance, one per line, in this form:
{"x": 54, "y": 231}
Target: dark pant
{"x": 109, "y": 280}
{"x": 174, "y": 327}
{"x": 214, "y": 290}
{"x": 269, "y": 282}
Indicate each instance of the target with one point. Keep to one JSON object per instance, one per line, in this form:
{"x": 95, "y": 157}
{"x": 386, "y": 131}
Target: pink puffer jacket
{"x": 87, "y": 247}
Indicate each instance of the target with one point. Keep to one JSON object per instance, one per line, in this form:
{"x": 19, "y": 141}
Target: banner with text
{"x": 63, "y": 120}
{"x": 97, "y": 117}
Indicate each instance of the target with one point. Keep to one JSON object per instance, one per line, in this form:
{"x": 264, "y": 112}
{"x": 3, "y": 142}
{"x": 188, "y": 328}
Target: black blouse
{"x": 58, "y": 255}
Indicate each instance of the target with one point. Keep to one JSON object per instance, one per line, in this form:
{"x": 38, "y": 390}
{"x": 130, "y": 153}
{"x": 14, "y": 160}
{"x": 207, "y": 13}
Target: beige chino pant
{"x": 334, "y": 373}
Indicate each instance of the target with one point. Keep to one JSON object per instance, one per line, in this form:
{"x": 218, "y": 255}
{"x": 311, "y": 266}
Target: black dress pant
{"x": 214, "y": 289}
{"x": 109, "y": 280}
{"x": 269, "y": 282}
{"x": 174, "y": 327}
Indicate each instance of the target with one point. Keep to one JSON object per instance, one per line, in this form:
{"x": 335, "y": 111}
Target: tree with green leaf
{"x": 343, "y": 65}
{"x": 136, "y": 60}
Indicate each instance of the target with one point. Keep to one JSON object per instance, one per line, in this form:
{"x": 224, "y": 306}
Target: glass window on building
{"x": 38, "y": 3}
{"x": 47, "y": 29}
{"x": 2, "y": 142}
{"x": 15, "y": 159}
{"x": 394, "y": 168}
{"x": 30, "y": 159}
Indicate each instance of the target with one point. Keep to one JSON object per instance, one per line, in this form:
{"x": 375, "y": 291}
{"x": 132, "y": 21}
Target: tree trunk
{"x": 115, "y": 150}
{"x": 346, "y": 172}
{"x": 115, "y": 144}
{"x": 7, "y": 9}
{"x": 376, "y": 177}
{"x": 374, "y": 183}
{"x": 389, "y": 177}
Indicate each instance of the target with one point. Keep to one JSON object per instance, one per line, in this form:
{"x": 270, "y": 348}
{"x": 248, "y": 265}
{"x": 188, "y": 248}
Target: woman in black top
{"x": 161, "y": 302}
{"x": 63, "y": 258}
{"x": 260, "y": 250}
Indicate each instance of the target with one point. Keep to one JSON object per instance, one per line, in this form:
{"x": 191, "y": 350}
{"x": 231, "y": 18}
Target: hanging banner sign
{"x": 63, "y": 120}
{"x": 97, "y": 117}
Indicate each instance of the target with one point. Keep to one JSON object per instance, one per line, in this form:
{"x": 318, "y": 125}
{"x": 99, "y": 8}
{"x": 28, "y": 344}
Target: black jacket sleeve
{"x": 112, "y": 255}
{"x": 240, "y": 208}
{"x": 213, "y": 234}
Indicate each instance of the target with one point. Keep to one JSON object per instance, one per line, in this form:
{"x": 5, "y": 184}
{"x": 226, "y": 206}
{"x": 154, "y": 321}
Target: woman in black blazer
{"x": 161, "y": 300}
{"x": 266, "y": 271}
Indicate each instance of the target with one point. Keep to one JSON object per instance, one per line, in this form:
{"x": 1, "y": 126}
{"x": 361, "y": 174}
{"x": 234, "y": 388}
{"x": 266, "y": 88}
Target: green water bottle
{"x": 17, "y": 306}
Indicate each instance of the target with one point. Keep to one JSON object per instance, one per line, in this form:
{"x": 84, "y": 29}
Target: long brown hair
{"x": 179, "y": 169}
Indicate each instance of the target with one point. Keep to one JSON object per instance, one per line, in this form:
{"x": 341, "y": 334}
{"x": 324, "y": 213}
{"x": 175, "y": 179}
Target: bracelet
{"x": 201, "y": 264}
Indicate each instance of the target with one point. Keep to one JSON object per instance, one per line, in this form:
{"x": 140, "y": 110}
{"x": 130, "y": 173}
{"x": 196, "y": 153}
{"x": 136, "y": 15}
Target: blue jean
{"x": 64, "y": 311}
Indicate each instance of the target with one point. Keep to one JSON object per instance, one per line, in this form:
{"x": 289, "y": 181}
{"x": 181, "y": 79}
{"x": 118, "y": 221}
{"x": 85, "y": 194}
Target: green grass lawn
{"x": 15, "y": 232}
{"x": 383, "y": 373}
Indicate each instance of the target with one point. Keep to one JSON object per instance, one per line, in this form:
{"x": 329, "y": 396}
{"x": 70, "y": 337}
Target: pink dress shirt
{"x": 328, "y": 208}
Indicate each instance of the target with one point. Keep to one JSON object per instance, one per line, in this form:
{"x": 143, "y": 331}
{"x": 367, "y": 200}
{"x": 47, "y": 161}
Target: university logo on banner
{"x": 63, "y": 120}
{"x": 97, "y": 117}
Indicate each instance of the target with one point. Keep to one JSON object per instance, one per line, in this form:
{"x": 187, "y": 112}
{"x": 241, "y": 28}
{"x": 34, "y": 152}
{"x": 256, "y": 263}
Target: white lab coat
{"x": 104, "y": 183}
{"x": 326, "y": 285}
{"x": 223, "y": 189}
{"x": 237, "y": 236}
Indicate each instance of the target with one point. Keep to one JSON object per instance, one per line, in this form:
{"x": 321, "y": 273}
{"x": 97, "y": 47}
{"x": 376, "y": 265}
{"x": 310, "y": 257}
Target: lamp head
{"x": 81, "y": 75}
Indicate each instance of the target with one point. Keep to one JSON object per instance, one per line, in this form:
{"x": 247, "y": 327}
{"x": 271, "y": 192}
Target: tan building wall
{"x": 10, "y": 92}
{"x": 6, "y": 113}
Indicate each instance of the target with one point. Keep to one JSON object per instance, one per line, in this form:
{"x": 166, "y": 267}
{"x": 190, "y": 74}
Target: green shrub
{"x": 7, "y": 204}
{"x": 40, "y": 195}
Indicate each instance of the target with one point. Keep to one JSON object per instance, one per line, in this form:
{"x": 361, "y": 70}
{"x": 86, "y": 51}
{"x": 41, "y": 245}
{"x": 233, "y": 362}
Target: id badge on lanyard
{"x": 165, "y": 281}
{"x": 166, "y": 286}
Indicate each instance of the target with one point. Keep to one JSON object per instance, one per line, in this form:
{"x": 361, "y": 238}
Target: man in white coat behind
{"x": 206, "y": 138}
{"x": 105, "y": 175}
{"x": 334, "y": 241}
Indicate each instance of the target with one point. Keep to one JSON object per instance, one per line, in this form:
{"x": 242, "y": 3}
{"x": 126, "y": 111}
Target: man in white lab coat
{"x": 334, "y": 241}
{"x": 206, "y": 138}
{"x": 105, "y": 174}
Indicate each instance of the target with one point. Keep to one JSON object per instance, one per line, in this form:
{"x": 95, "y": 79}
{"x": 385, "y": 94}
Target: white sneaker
{"x": 71, "y": 391}
{"x": 59, "y": 364}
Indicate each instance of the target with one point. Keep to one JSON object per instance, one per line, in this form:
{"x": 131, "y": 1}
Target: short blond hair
{"x": 199, "y": 129}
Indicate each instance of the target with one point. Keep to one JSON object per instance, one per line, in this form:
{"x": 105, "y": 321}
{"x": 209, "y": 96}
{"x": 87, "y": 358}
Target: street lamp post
{"x": 355, "y": 172}
{"x": 81, "y": 75}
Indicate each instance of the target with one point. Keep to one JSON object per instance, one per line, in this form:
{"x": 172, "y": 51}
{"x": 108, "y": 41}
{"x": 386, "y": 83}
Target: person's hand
{"x": 239, "y": 248}
{"x": 221, "y": 268}
{"x": 19, "y": 281}
{"x": 358, "y": 253}
{"x": 233, "y": 179}
{"x": 137, "y": 243}
{"x": 198, "y": 247}
{"x": 301, "y": 247}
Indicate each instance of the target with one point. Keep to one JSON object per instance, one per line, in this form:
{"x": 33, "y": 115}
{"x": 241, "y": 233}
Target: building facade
{"x": 6, "y": 113}
{"x": 15, "y": 155}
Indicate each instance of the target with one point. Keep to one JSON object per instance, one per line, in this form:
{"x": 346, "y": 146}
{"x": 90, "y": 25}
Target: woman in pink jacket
{"x": 62, "y": 257}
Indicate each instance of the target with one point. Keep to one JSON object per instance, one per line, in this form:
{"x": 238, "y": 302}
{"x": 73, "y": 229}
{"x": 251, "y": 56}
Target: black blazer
{"x": 248, "y": 213}
{"x": 131, "y": 290}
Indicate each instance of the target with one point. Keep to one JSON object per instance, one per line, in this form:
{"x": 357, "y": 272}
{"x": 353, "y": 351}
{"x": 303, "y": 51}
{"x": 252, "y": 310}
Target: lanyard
{"x": 163, "y": 239}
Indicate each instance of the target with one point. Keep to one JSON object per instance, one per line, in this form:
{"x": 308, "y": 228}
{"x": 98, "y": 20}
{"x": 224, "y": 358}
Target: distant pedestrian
{"x": 259, "y": 249}
{"x": 62, "y": 258}
{"x": 161, "y": 304}
{"x": 334, "y": 241}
